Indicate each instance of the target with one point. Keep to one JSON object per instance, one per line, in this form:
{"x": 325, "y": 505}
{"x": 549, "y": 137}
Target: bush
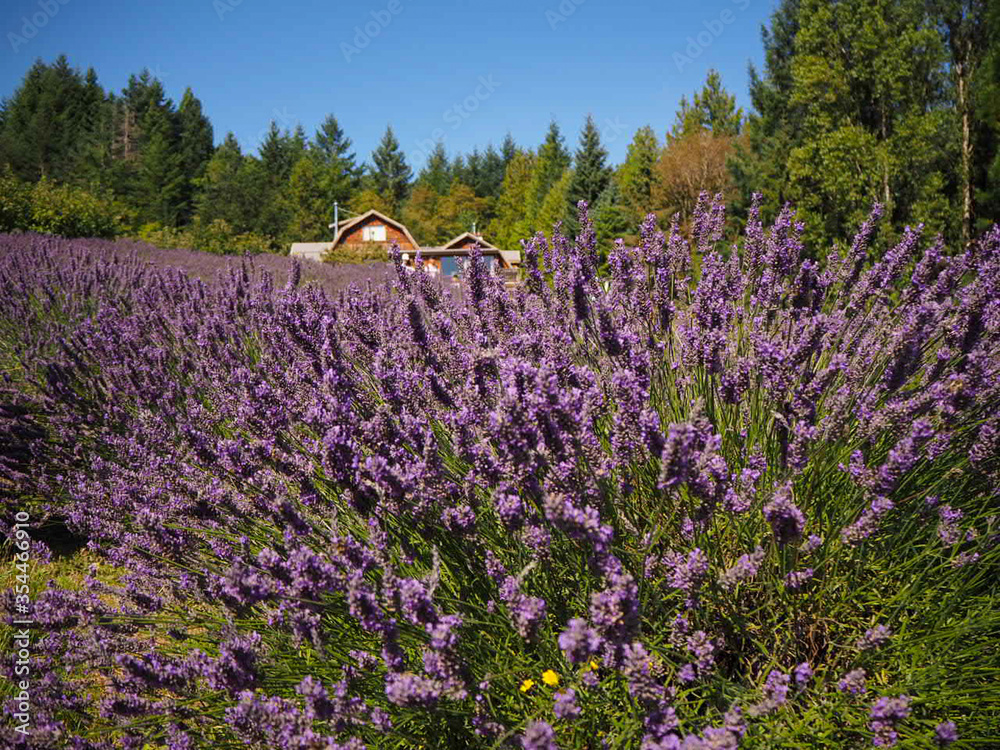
{"x": 217, "y": 237}
{"x": 757, "y": 507}
{"x": 55, "y": 209}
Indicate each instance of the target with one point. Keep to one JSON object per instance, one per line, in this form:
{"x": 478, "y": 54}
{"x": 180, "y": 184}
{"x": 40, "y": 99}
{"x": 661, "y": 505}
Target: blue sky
{"x": 462, "y": 71}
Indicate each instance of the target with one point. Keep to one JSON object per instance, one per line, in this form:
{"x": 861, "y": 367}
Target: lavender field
{"x": 725, "y": 496}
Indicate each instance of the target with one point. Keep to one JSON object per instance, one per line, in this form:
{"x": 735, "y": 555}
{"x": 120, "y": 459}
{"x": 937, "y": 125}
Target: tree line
{"x": 858, "y": 101}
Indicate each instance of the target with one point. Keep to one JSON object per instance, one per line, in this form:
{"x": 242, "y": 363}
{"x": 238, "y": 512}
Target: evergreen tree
{"x": 508, "y": 149}
{"x": 613, "y": 219}
{"x": 307, "y": 197}
{"x": 391, "y": 174}
{"x": 591, "y": 173}
{"x": 553, "y": 160}
{"x": 279, "y": 151}
{"x": 195, "y": 147}
{"x": 510, "y": 224}
{"x": 160, "y": 189}
{"x": 557, "y": 207}
{"x": 760, "y": 163}
{"x": 341, "y": 174}
{"x": 637, "y": 174}
{"x": 219, "y": 195}
{"x": 713, "y": 109}
{"x": 473, "y": 174}
{"x": 51, "y": 122}
{"x": 491, "y": 178}
{"x": 987, "y": 110}
{"x": 436, "y": 174}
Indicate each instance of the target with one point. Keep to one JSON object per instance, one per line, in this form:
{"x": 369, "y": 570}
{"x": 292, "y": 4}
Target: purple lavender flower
{"x": 853, "y": 682}
{"x": 885, "y": 714}
{"x": 787, "y": 521}
{"x": 796, "y": 579}
{"x": 539, "y": 735}
{"x": 614, "y": 611}
{"x": 874, "y": 638}
{"x": 565, "y": 706}
{"x": 746, "y": 567}
{"x": 776, "y": 689}
{"x": 687, "y": 572}
{"x": 408, "y": 689}
{"x": 803, "y": 673}
{"x": 812, "y": 543}
{"x": 946, "y": 733}
{"x": 579, "y": 641}
{"x": 703, "y": 648}
{"x": 948, "y": 529}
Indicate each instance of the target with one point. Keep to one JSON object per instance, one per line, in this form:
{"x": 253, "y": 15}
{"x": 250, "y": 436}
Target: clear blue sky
{"x": 466, "y": 71}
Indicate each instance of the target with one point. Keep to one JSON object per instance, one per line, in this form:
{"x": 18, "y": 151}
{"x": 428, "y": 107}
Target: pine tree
{"x": 613, "y": 219}
{"x": 218, "y": 195}
{"x": 553, "y": 160}
{"x": 508, "y": 149}
{"x": 987, "y": 112}
{"x": 195, "y": 147}
{"x": 637, "y": 175}
{"x": 965, "y": 30}
{"x": 760, "y": 163}
{"x": 341, "y": 174}
{"x": 510, "y": 224}
{"x": 49, "y": 123}
{"x": 161, "y": 180}
{"x": 307, "y": 198}
{"x": 279, "y": 151}
{"x": 591, "y": 173}
{"x": 436, "y": 174}
{"x": 492, "y": 173}
{"x": 391, "y": 174}
{"x": 713, "y": 109}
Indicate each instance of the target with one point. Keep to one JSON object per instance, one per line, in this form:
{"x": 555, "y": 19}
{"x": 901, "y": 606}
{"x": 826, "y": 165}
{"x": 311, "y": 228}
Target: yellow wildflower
{"x": 594, "y": 665}
{"x": 550, "y": 678}
{"x": 527, "y": 685}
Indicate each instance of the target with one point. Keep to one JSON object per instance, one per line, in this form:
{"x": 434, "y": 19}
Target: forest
{"x": 838, "y": 120}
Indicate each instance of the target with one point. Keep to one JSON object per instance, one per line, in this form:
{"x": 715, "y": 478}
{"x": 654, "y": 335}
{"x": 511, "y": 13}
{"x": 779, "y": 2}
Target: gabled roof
{"x": 349, "y": 223}
{"x": 470, "y": 236}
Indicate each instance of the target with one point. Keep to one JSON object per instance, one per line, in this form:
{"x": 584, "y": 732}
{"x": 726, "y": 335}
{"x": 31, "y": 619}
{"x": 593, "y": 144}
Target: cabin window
{"x": 375, "y": 233}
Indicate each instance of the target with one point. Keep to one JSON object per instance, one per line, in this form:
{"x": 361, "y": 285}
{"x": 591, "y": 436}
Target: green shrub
{"x": 50, "y": 208}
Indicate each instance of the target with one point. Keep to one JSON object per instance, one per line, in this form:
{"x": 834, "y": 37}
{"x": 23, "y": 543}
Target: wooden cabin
{"x": 370, "y": 236}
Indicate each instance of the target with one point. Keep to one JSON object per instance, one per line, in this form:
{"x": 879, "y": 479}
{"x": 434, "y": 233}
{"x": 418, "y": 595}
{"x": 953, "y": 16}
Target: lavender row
{"x": 378, "y": 516}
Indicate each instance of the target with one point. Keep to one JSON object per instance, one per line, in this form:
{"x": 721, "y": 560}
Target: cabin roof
{"x": 348, "y": 224}
{"x": 483, "y": 243}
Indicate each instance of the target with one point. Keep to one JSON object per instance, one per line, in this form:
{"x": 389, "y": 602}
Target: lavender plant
{"x": 749, "y": 506}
